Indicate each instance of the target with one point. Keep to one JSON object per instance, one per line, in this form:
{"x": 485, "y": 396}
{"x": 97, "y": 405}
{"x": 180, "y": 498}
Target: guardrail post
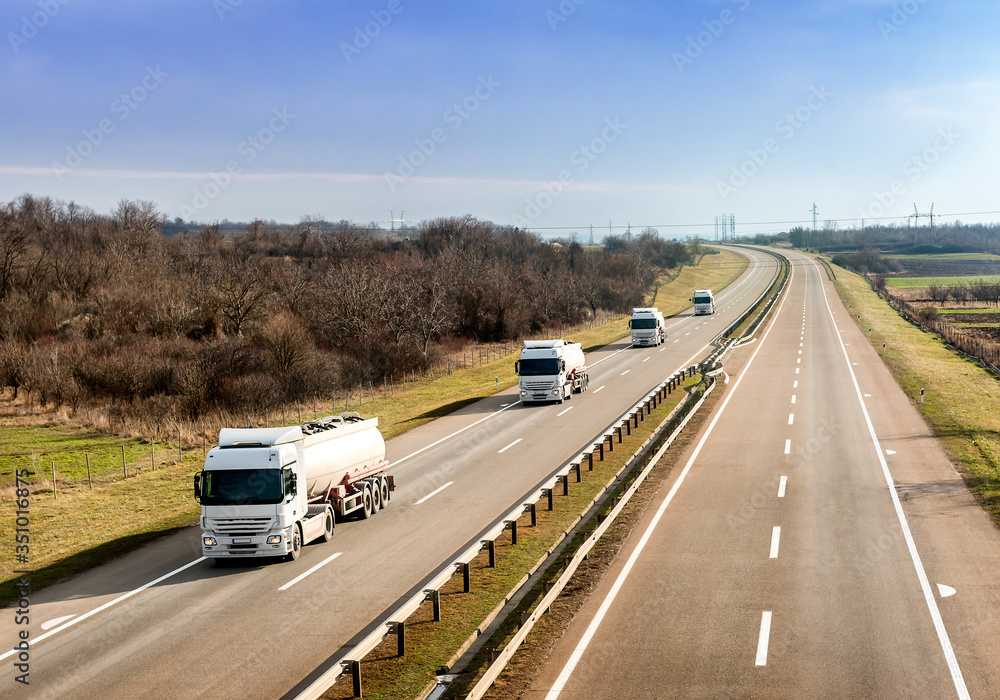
{"x": 628, "y": 425}
{"x": 619, "y": 431}
{"x": 548, "y": 492}
{"x": 533, "y": 520}
{"x": 466, "y": 577}
{"x": 579, "y": 476}
{"x": 590, "y": 461}
{"x": 356, "y": 676}
{"x": 565, "y": 484}
{"x": 513, "y": 532}
{"x": 491, "y": 547}
{"x": 400, "y": 638}
{"x": 436, "y": 600}
{"x": 602, "y": 450}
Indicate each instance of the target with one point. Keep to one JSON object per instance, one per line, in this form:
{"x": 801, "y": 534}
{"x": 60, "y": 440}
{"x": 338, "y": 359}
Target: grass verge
{"x": 962, "y": 398}
{"x": 429, "y": 644}
{"x": 85, "y": 527}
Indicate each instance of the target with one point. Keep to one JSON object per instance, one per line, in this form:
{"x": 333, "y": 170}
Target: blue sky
{"x": 540, "y": 113}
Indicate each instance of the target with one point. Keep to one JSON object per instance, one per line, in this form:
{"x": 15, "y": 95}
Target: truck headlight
{"x": 523, "y": 392}
{"x": 274, "y": 539}
{"x": 209, "y": 541}
{"x": 556, "y": 391}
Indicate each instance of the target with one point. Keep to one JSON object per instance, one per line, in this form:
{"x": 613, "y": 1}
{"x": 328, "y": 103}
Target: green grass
{"x": 81, "y": 526}
{"x": 924, "y": 282}
{"x": 977, "y": 325}
{"x": 962, "y": 399}
{"x": 945, "y": 256}
{"x": 968, "y": 311}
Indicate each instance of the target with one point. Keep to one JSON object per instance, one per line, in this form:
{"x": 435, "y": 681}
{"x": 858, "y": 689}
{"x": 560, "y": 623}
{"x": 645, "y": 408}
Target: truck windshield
{"x": 643, "y": 323}
{"x": 539, "y": 367}
{"x": 233, "y": 487}
{"x": 703, "y": 300}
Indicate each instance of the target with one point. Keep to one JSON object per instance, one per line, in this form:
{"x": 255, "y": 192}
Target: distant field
{"x": 968, "y": 311}
{"x": 924, "y": 282}
{"x": 947, "y": 256}
{"x": 977, "y": 325}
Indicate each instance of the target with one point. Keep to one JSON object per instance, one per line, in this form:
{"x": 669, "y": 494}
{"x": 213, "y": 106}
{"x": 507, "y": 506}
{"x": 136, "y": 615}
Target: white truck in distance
{"x": 266, "y": 492}
{"x": 704, "y": 302}
{"x": 551, "y": 370}
{"x": 648, "y": 327}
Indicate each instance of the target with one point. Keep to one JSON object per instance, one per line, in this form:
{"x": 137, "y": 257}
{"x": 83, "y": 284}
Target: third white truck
{"x": 648, "y": 326}
{"x": 551, "y": 370}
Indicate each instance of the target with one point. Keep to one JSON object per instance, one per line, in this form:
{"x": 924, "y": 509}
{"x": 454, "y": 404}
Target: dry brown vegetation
{"x": 107, "y": 316}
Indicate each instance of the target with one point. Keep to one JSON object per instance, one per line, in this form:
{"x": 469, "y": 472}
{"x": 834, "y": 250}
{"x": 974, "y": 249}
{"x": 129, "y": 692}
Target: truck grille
{"x": 240, "y": 526}
{"x": 538, "y": 386}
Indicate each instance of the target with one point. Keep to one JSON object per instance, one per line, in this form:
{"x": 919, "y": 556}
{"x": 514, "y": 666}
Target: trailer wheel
{"x": 368, "y": 508}
{"x": 383, "y": 484}
{"x": 376, "y": 496}
{"x": 328, "y": 525}
{"x": 296, "y": 543}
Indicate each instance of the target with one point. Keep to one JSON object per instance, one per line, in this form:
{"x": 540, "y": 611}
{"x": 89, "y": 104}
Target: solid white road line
{"x": 500, "y": 452}
{"x": 565, "y": 410}
{"x": 108, "y": 605}
{"x": 433, "y": 493}
{"x": 782, "y": 483}
{"x": 949, "y": 653}
{"x": 592, "y": 628}
{"x": 311, "y": 571}
{"x": 775, "y": 537}
{"x": 788, "y": 447}
{"x": 765, "y": 634}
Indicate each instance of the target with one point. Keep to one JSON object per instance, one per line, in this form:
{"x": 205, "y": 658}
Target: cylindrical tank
{"x": 332, "y": 453}
{"x": 573, "y": 354}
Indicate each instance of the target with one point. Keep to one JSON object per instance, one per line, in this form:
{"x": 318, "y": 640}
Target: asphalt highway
{"x": 815, "y": 542}
{"x": 164, "y": 623}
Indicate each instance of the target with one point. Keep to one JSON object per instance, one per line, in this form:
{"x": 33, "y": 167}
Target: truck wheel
{"x": 296, "y": 543}
{"x": 384, "y": 487}
{"x": 376, "y": 496}
{"x": 367, "y": 508}
{"x": 328, "y": 525}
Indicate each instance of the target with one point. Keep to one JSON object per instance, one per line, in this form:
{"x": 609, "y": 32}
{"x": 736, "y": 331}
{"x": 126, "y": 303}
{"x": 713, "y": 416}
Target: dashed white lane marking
{"x": 788, "y": 447}
{"x": 565, "y": 410}
{"x": 625, "y": 372}
{"x": 311, "y": 571}
{"x": 890, "y": 452}
{"x": 433, "y": 493}
{"x": 775, "y": 538}
{"x": 781, "y": 486}
{"x": 53, "y": 623}
{"x": 765, "y": 633}
{"x": 793, "y": 398}
{"x": 791, "y": 418}
{"x": 500, "y": 452}
{"x": 796, "y": 370}
{"x": 647, "y": 359}
{"x": 598, "y": 389}
{"x": 798, "y": 361}
{"x": 795, "y": 384}
{"x": 944, "y": 590}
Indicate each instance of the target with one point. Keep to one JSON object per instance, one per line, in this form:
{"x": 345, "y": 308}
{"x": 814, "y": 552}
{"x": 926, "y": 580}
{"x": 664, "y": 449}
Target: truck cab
{"x": 550, "y": 370}
{"x": 704, "y": 302}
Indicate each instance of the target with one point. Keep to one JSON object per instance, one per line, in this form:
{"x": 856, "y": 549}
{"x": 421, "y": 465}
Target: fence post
{"x": 180, "y": 447}
{"x": 152, "y": 454}
{"x": 89, "y": 479}
{"x": 124, "y": 469}
{"x": 54, "y": 480}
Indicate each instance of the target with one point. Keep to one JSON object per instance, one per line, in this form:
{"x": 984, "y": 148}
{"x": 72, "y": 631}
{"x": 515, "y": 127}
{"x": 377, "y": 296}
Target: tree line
{"x": 106, "y": 310}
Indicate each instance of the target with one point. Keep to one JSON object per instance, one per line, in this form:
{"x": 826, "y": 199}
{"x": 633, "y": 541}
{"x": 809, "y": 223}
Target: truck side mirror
{"x": 630, "y": 324}
{"x": 562, "y": 365}
{"x": 517, "y": 367}
{"x": 293, "y": 485}
{"x": 197, "y": 487}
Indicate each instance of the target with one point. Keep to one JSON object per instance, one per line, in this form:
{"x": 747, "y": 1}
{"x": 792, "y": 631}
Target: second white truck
{"x": 704, "y": 302}
{"x": 551, "y": 370}
{"x": 648, "y": 326}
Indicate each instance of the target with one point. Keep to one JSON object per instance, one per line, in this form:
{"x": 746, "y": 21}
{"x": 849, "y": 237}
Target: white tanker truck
{"x": 266, "y": 492}
{"x": 551, "y": 370}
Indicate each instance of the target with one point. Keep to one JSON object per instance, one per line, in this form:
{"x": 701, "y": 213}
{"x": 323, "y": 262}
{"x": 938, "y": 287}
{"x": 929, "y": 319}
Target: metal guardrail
{"x": 395, "y": 622}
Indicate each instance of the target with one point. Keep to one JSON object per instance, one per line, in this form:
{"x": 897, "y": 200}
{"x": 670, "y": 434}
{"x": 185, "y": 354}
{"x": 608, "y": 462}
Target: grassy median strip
{"x": 961, "y": 397}
{"x": 429, "y": 644}
{"x": 79, "y": 527}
